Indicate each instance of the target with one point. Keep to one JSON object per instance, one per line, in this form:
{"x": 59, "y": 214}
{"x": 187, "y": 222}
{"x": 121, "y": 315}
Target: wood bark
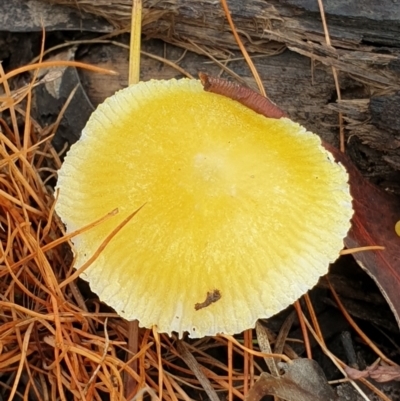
{"x": 365, "y": 42}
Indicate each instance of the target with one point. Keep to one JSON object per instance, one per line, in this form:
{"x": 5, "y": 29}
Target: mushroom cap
{"x": 242, "y": 213}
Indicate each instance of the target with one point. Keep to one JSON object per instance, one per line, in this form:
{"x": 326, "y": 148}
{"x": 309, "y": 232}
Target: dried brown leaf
{"x": 303, "y": 380}
{"x": 375, "y": 215}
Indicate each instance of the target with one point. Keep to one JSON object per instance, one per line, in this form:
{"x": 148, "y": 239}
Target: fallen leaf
{"x": 385, "y": 373}
{"x": 376, "y": 213}
{"x": 356, "y": 374}
{"x": 303, "y": 380}
{"x": 381, "y": 374}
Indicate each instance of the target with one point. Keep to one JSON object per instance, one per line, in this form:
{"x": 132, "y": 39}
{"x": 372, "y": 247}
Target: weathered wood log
{"x": 350, "y": 22}
{"x": 365, "y": 38}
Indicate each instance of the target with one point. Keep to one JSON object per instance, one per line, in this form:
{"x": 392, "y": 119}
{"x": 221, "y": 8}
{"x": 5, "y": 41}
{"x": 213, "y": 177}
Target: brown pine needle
{"x": 313, "y": 316}
{"x": 53, "y": 64}
{"x": 246, "y": 56}
{"x": 335, "y": 75}
{"x": 255, "y": 353}
{"x": 357, "y": 328}
{"x": 230, "y": 371}
{"x": 63, "y": 239}
{"x": 362, "y": 249}
{"x": 246, "y": 362}
{"x": 106, "y": 241}
{"x": 159, "y": 362}
{"x": 307, "y": 345}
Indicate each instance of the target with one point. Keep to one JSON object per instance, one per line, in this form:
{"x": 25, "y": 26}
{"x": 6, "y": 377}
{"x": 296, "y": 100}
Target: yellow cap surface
{"x": 243, "y": 213}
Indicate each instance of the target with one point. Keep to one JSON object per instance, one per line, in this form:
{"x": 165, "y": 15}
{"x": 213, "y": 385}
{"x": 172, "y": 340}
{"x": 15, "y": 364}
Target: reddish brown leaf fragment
{"x": 375, "y": 215}
{"x": 243, "y": 95}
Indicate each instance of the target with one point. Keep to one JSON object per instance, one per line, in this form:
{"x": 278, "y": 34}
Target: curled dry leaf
{"x": 303, "y": 380}
{"x": 356, "y": 374}
{"x": 380, "y": 374}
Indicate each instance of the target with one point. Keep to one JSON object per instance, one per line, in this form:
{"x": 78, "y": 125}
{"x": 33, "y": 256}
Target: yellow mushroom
{"x": 397, "y": 228}
{"x": 243, "y": 213}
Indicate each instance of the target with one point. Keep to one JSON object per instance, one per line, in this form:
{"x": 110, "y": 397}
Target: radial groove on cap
{"x": 252, "y": 207}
